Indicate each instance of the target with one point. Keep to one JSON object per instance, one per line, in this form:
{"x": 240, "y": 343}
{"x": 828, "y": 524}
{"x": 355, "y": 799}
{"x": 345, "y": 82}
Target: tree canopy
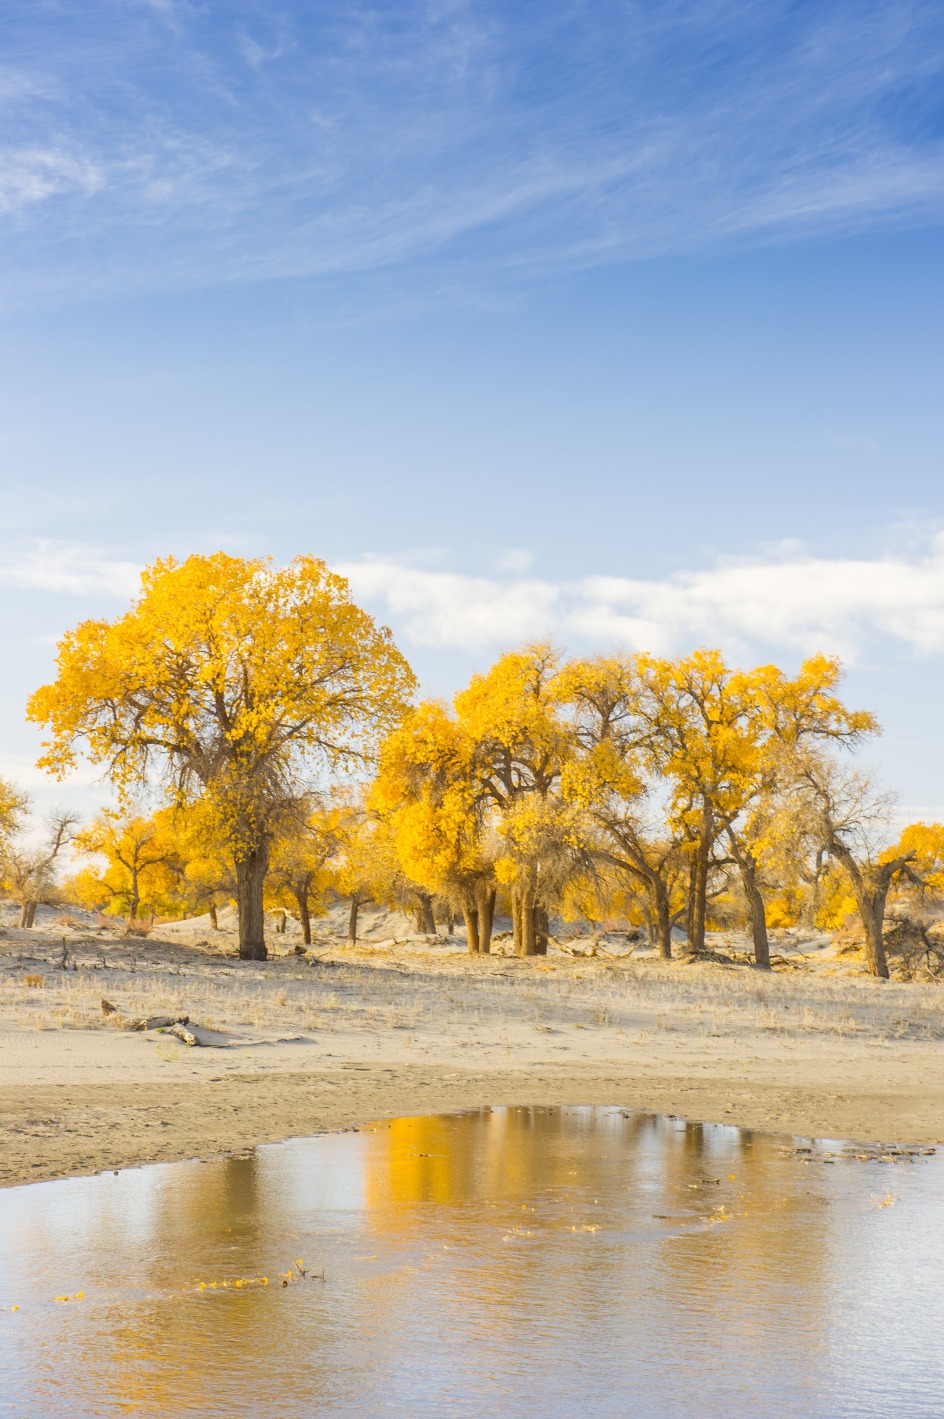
{"x": 229, "y": 680}
{"x": 673, "y": 791}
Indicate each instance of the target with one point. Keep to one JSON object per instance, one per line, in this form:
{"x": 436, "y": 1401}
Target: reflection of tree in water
{"x": 519, "y": 1222}
{"x": 488, "y": 1155}
{"x": 549, "y": 1186}
{"x": 669, "y": 1233}
{"x": 757, "y": 1269}
{"x": 148, "y": 1352}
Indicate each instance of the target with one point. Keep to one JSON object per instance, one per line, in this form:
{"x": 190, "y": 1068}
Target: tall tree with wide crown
{"x": 229, "y": 681}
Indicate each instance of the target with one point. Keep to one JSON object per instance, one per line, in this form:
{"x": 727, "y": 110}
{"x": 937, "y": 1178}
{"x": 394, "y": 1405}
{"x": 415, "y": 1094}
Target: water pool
{"x": 515, "y": 1261}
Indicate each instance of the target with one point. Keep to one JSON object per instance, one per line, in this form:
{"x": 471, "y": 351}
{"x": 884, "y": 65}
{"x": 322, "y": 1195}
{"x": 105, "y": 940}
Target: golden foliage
{"x": 137, "y": 865}
{"x": 229, "y": 672}
{"x": 227, "y": 681}
{"x": 926, "y": 842}
{"x": 648, "y": 784}
{"x": 13, "y": 805}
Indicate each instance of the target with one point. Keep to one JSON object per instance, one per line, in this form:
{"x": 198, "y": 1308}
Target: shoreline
{"x": 306, "y": 1047}
{"x": 50, "y": 1132}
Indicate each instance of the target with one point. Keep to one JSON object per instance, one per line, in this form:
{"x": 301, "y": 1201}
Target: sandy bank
{"x": 421, "y": 1029}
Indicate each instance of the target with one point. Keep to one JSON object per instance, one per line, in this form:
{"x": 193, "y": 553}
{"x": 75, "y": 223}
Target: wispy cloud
{"x": 177, "y": 144}
{"x": 72, "y": 569}
{"x": 33, "y": 175}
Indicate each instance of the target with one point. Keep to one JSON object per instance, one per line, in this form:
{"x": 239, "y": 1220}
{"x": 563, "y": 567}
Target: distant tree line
{"x": 669, "y": 794}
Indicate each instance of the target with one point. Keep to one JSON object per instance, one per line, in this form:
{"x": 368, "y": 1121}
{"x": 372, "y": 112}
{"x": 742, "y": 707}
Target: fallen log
{"x": 159, "y": 1022}
{"x": 198, "y": 1035}
{"x": 183, "y": 1032}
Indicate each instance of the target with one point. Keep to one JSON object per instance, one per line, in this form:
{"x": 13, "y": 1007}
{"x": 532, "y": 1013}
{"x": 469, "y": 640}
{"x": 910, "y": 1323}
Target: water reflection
{"x": 518, "y": 1261}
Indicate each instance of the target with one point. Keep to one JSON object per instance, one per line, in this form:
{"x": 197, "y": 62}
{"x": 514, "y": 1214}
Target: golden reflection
{"x": 586, "y": 1221}
{"x": 197, "y": 1297}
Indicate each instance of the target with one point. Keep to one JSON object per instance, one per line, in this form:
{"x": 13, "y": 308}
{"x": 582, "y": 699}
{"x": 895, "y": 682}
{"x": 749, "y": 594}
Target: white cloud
{"x": 21, "y": 770}
{"x": 71, "y": 568}
{"x": 515, "y": 560}
{"x": 448, "y": 609}
{"x": 784, "y": 599}
{"x": 787, "y": 600}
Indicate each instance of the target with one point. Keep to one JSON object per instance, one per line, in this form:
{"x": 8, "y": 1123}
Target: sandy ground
{"x": 406, "y": 1026}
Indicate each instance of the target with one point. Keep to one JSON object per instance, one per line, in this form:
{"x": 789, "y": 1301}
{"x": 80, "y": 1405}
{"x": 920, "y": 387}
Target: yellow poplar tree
{"x": 208, "y": 881}
{"x": 300, "y": 866}
{"x": 427, "y": 789}
{"x": 846, "y": 814}
{"x": 13, "y": 805}
{"x": 516, "y": 747}
{"x": 721, "y": 738}
{"x": 227, "y": 681}
{"x": 781, "y": 715}
{"x": 138, "y": 863}
{"x": 608, "y": 777}
{"x": 353, "y": 865}
{"x": 923, "y": 844}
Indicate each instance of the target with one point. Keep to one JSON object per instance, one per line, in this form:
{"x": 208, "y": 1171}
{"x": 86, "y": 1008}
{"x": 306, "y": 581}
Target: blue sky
{"x": 618, "y": 322}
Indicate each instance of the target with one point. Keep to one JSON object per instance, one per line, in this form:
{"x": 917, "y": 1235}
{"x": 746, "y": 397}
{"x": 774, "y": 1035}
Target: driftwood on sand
{"x": 159, "y": 1022}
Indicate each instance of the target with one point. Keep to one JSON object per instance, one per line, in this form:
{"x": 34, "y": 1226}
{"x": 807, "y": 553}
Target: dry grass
{"x": 378, "y": 991}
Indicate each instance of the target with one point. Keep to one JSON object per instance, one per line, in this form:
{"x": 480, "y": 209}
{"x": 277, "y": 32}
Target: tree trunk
{"x": 24, "y": 914}
{"x": 523, "y": 916}
{"x": 304, "y": 916}
{"x": 425, "y": 921}
{"x": 663, "y": 923}
{"x": 540, "y": 931}
{"x": 698, "y": 891}
{"x": 690, "y": 910}
{"x": 280, "y": 924}
{"x": 872, "y": 912}
{"x": 352, "y": 919}
{"x": 214, "y": 924}
{"x": 251, "y": 869}
{"x": 871, "y": 897}
{"x": 471, "y": 918}
{"x": 485, "y": 907}
{"x": 135, "y": 901}
{"x": 747, "y": 866}
{"x": 759, "y": 928}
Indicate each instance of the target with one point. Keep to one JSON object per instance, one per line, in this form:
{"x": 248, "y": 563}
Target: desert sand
{"x": 406, "y": 1025}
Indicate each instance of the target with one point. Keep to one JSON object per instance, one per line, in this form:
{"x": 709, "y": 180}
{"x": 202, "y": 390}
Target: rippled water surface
{"x": 579, "y": 1262}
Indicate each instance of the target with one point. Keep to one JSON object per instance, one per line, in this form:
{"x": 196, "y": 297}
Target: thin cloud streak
{"x": 439, "y": 141}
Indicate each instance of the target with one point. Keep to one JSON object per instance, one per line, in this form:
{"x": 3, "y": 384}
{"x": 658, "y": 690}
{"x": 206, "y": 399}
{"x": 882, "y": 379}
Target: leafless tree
{"x": 31, "y": 872}
{"x": 847, "y": 814}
